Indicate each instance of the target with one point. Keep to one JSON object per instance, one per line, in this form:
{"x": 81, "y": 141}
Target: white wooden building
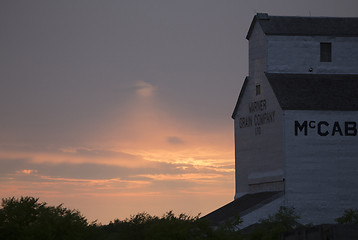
{"x": 296, "y": 140}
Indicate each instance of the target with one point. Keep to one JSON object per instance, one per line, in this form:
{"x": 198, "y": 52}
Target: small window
{"x": 326, "y": 52}
{"x": 258, "y": 89}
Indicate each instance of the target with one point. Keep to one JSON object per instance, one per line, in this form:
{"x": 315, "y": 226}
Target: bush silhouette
{"x": 27, "y": 218}
{"x": 285, "y": 219}
{"x": 350, "y": 216}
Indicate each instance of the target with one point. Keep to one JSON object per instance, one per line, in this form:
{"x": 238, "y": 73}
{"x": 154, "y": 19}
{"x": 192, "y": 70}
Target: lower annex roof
{"x": 241, "y": 206}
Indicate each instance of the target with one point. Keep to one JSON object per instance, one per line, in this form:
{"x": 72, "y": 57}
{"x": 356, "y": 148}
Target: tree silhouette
{"x": 27, "y": 218}
{"x": 285, "y": 219}
{"x": 350, "y": 216}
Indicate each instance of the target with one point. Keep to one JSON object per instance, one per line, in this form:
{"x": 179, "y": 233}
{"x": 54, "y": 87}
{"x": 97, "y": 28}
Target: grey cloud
{"x": 174, "y": 184}
{"x": 79, "y": 151}
{"x": 174, "y": 140}
{"x": 84, "y": 170}
{"x": 103, "y": 153}
{"x": 144, "y": 89}
{"x": 12, "y": 167}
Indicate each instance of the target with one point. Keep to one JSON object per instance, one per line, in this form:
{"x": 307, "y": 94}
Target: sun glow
{"x": 141, "y": 157}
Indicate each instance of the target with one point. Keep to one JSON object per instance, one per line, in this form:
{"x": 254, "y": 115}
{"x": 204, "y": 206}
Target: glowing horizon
{"x": 151, "y": 175}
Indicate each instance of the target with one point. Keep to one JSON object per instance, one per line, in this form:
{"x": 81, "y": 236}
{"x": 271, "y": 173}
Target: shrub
{"x": 350, "y": 216}
{"x": 271, "y": 227}
{"x": 27, "y": 218}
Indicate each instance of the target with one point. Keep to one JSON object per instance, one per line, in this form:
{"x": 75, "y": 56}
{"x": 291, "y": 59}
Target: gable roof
{"x": 305, "y": 26}
{"x": 240, "y": 97}
{"x": 334, "y": 92}
{"x": 241, "y": 206}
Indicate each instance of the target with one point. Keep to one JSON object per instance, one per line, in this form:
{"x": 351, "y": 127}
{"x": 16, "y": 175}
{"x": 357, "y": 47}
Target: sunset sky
{"x": 118, "y": 107}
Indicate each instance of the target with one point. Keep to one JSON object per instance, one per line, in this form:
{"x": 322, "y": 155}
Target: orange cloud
{"x": 28, "y": 171}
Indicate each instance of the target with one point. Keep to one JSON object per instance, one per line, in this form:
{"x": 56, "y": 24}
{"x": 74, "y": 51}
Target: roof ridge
{"x": 297, "y": 16}
{"x": 305, "y": 25}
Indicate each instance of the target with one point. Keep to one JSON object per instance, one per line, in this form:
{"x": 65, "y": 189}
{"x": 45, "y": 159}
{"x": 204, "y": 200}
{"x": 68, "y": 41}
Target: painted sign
{"x": 325, "y": 128}
{"x": 259, "y": 115}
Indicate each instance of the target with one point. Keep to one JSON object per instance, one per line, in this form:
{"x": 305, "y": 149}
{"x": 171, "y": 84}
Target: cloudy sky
{"x": 117, "y": 107}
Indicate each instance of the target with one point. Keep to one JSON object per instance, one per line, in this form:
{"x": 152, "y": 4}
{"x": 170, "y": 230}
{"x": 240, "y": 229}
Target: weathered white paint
{"x": 258, "y": 148}
{"x": 257, "y": 53}
{"x": 321, "y": 171}
{"x": 297, "y": 54}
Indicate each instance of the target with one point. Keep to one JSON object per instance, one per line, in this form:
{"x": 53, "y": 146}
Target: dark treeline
{"x": 27, "y": 218}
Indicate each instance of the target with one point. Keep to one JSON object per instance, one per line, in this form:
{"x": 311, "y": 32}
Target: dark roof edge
{"x": 240, "y": 97}
{"x": 299, "y": 34}
{"x": 264, "y": 16}
{"x": 269, "y": 74}
{"x": 277, "y": 195}
{"x": 258, "y": 16}
{"x": 239, "y": 206}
